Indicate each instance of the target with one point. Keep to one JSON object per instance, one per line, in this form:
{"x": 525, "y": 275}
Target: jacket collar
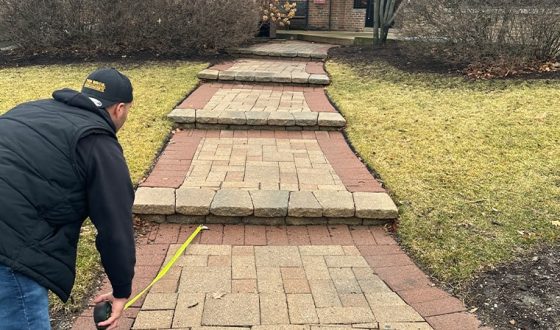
{"x": 79, "y": 100}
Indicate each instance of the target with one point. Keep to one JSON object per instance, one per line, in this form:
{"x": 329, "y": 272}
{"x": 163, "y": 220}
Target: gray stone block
{"x": 183, "y": 116}
{"x": 207, "y": 116}
{"x": 375, "y": 206}
{"x": 194, "y": 201}
{"x": 232, "y": 203}
{"x": 270, "y": 203}
{"x": 281, "y": 119}
{"x": 282, "y": 78}
{"x": 300, "y": 77}
{"x": 232, "y": 118}
{"x": 332, "y": 119}
{"x": 304, "y": 204}
{"x": 226, "y": 75}
{"x": 256, "y": 118}
{"x": 154, "y": 201}
{"x": 263, "y": 76}
{"x": 319, "y": 79}
{"x": 306, "y": 118}
{"x": 337, "y": 204}
{"x": 208, "y": 74}
{"x": 244, "y": 76}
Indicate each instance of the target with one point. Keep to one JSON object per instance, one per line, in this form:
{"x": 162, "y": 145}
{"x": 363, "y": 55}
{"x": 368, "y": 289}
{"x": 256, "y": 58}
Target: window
{"x": 360, "y": 4}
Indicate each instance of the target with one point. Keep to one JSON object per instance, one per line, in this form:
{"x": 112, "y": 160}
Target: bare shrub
{"x": 123, "y": 26}
{"x": 512, "y": 32}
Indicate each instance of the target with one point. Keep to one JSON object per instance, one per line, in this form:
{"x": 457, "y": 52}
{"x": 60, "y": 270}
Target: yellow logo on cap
{"x": 95, "y": 85}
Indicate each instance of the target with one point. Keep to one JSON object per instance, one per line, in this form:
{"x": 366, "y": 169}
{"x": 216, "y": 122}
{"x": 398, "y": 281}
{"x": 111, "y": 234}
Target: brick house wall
{"x": 343, "y": 16}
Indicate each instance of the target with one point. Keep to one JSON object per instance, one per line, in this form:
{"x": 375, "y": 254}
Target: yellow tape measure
{"x": 167, "y": 266}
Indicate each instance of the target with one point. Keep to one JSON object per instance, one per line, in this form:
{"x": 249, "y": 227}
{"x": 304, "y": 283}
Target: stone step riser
{"x": 255, "y": 127}
{"x": 313, "y": 120}
{"x": 267, "y": 205}
{"x": 252, "y": 220}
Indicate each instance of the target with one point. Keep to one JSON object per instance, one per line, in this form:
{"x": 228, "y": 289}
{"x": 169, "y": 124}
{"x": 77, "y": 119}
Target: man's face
{"x": 119, "y": 114}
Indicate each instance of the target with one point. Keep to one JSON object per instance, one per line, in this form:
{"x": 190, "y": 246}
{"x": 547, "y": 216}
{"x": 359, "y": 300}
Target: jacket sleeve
{"x": 110, "y": 198}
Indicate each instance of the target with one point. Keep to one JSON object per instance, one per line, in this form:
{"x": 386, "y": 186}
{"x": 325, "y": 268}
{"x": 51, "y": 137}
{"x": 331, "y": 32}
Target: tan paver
{"x": 159, "y": 301}
{"x": 189, "y": 310}
{"x": 348, "y": 315}
{"x": 153, "y": 319}
{"x": 257, "y": 101}
{"x": 302, "y": 309}
{"x": 274, "y": 308}
{"x": 277, "y": 256}
{"x": 374, "y": 206}
{"x": 236, "y": 309}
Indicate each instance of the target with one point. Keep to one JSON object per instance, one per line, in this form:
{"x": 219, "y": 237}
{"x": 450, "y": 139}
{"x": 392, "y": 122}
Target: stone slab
{"x": 154, "y": 201}
{"x": 375, "y": 206}
{"x": 232, "y": 203}
{"x": 256, "y": 118}
{"x": 207, "y": 117}
{"x": 270, "y": 203}
{"x": 194, "y": 201}
{"x": 319, "y": 79}
{"x": 281, "y": 119}
{"x": 305, "y": 118}
{"x": 304, "y": 204}
{"x": 331, "y": 119}
{"x": 336, "y": 204}
{"x": 183, "y": 116}
{"x": 208, "y": 74}
{"x": 232, "y": 118}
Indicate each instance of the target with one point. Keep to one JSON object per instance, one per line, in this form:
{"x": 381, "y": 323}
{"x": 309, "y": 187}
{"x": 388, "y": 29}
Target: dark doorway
{"x": 368, "y": 6}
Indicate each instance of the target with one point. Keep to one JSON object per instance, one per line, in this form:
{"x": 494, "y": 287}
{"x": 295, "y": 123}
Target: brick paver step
{"x": 260, "y": 176}
{"x": 243, "y": 106}
{"x": 266, "y": 70}
{"x": 286, "y": 49}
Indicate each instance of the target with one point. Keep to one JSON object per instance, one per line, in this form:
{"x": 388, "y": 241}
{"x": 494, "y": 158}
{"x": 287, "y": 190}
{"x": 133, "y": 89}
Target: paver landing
{"x": 278, "y": 277}
{"x": 257, "y": 106}
{"x": 266, "y": 70}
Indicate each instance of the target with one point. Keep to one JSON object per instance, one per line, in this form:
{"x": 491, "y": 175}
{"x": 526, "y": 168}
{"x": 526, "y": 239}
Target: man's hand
{"x": 118, "y": 308}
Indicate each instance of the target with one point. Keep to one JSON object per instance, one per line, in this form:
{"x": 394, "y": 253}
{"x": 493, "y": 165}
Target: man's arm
{"x": 110, "y": 198}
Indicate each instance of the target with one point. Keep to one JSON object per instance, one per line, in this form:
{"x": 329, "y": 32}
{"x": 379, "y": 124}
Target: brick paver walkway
{"x": 264, "y": 158}
{"x": 285, "y": 277}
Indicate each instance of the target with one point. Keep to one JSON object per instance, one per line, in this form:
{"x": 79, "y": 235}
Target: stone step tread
{"x": 266, "y": 70}
{"x": 264, "y": 203}
{"x": 257, "y": 118}
{"x": 288, "y": 48}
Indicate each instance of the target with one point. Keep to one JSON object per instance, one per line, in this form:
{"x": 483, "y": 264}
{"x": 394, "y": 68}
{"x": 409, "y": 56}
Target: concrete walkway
{"x": 295, "y": 240}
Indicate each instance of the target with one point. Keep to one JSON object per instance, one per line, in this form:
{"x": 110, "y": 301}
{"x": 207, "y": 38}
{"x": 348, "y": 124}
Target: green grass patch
{"x": 158, "y": 87}
{"x": 475, "y": 166}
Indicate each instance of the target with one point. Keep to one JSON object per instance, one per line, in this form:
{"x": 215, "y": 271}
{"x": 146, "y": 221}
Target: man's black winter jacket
{"x": 60, "y": 162}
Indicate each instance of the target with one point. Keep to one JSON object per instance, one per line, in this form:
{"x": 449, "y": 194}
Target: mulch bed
{"x": 522, "y": 295}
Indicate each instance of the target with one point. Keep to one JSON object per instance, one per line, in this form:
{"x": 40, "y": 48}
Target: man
{"x": 61, "y": 162}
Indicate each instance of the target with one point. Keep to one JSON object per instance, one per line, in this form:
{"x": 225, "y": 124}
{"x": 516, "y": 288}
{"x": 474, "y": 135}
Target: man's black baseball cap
{"x": 107, "y": 86}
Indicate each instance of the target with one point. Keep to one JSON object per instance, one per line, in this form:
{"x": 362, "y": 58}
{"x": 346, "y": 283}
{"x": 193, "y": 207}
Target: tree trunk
{"x": 376, "y": 4}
